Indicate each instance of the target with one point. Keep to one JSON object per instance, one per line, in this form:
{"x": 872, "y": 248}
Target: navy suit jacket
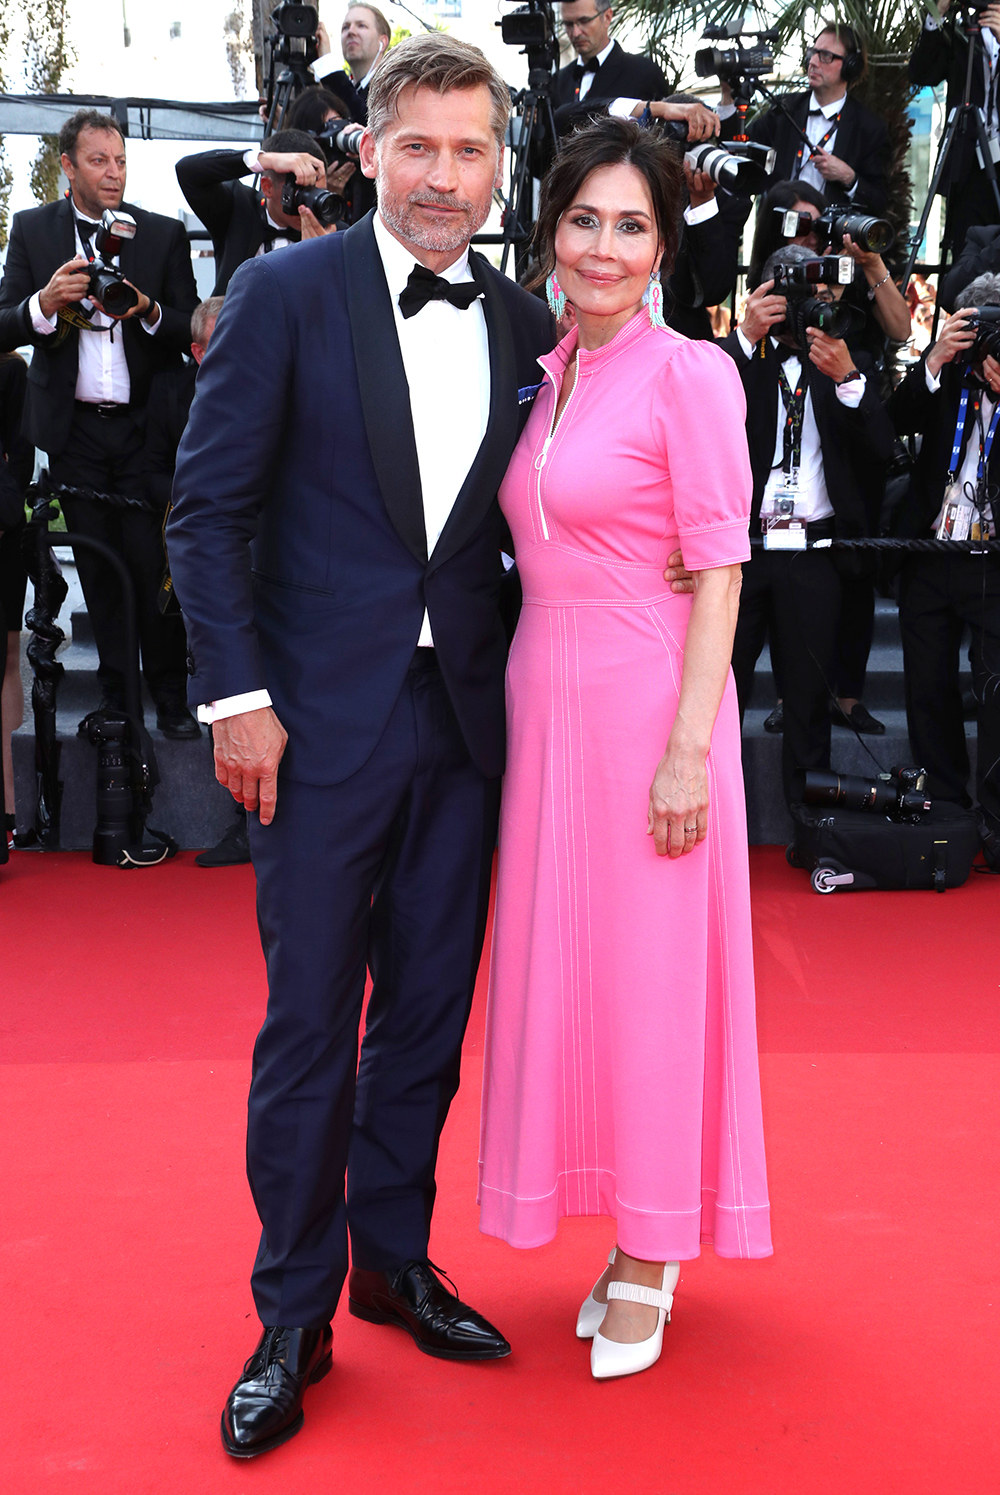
{"x": 297, "y": 541}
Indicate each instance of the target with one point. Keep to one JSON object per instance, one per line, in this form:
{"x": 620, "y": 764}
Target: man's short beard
{"x": 441, "y": 238}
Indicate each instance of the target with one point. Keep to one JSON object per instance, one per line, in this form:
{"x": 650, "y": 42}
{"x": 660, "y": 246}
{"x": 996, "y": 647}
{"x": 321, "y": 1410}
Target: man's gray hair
{"x": 788, "y": 254}
{"x": 435, "y": 60}
{"x": 203, "y": 315}
{"x": 983, "y": 291}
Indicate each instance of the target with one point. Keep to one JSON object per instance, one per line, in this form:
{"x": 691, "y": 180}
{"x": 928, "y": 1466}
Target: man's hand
{"x": 991, "y": 373}
{"x": 145, "y": 307}
{"x": 833, "y": 169}
{"x": 323, "y": 48}
{"x": 308, "y": 171}
{"x": 829, "y": 354}
{"x": 68, "y": 284}
{"x": 311, "y": 226}
{"x": 248, "y": 749}
{"x": 702, "y": 123}
{"x": 337, "y": 177}
{"x": 991, "y": 17}
{"x": 701, "y": 188}
{"x": 954, "y": 338}
{"x": 762, "y": 312}
{"x": 679, "y": 577}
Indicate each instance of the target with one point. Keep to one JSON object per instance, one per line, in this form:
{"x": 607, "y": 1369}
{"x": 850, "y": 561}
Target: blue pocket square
{"x": 528, "y": 393}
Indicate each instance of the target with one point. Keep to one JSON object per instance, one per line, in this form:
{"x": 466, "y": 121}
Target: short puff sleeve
{"x": 700, "y": 426}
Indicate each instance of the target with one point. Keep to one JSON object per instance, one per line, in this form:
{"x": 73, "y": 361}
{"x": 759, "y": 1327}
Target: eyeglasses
{"x": 581, "y": 22}
{"x": 822, "y": 55}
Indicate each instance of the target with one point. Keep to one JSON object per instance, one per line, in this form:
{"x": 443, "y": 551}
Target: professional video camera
{"x": 739, "y": 66}
{"x": 107, "y": 283}
{"x": 898, "y": 795}
{"x": 743, "y": 166}
{"x": 873, "y": 235}
{"x": 327, "y": 206}
{"x": 796, "y": 282}
{"x": 341, "y": 142}
{"x": 294, "y": 39}
{"x": 986, "y": 320}
{"x": 533, "y": 28}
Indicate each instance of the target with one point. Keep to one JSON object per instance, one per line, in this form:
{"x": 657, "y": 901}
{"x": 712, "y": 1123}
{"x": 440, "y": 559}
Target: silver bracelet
{"x": 878, "y": 285}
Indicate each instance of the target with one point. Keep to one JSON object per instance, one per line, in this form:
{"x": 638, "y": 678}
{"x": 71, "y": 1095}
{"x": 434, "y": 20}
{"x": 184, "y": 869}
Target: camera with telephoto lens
{"x": 532, "y": 27}
{"x": 735, "y": 64}
{"x": 795, "y": 282}
{"x": 898, "y": 795}
{"x": 295, "y": 28}
{"x": 742, "y": 166}
{"x": 341, "y": 142}
{"x": 873, "y": 235}
{"x": 327, "y": 206}
{"x": 986, "y": 321}
{"x": 107, "y": 283}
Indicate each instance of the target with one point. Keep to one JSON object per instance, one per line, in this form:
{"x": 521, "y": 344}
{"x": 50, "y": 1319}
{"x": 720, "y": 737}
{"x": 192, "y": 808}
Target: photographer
{"x": 88, "y": 386}
{"x": 365, "y": 35}
{"x": 847, "y": 158}
{"x": 320, "y": 113}
{"x": 603, "y": 71}
{"x": 951, "y": 397}
{"x": 815, "y": 427}
{"x": 242, "y": 222}
{"x": 941, "y": 54}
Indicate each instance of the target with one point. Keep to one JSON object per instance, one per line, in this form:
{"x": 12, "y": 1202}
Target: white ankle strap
{"x": 634, "y": 1292}
{"x": 611, "y": 1256}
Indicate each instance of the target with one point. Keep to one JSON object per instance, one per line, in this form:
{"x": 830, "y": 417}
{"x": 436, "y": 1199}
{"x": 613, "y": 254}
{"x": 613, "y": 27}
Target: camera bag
{"x": 855, "y": 849}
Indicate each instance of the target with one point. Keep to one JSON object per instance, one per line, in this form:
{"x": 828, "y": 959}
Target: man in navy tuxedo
{"x": 336, "y": 547}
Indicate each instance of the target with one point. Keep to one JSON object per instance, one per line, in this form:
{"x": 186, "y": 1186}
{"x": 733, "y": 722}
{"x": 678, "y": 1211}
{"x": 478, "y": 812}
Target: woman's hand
{"x": 678, "y": 803}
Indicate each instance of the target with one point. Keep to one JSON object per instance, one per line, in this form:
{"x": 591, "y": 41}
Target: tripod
{"x": 960, "y": 119}
{"x": 537, "y": 122}
{"x": 293, "y": 78}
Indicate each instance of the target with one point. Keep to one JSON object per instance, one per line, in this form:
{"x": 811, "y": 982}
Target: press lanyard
{"x": 985, "y": 443}
{"x": 795, "y": 406}
{"x": 820, "y": 144}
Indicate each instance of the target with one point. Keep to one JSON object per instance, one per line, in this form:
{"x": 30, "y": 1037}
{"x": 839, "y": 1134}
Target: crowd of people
{"x": 330, "y": 459}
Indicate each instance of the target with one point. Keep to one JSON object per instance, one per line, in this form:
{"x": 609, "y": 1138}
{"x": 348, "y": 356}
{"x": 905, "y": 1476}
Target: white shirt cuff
{"x": 850, "y": 395}
{"x": 622, "y": 108}
{"x": 933, "y": 381}
{"x": 853, "y": 187}
{"x": 217, "y": 711}
{"x": 702, "y": 212}
{"x": 252, "y": 159}
{"x": 152, "y": 331}
{"x": 39, "y": 321}
{"x": 745, "y": 342}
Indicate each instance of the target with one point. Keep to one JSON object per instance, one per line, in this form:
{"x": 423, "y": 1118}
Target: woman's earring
{"x": 654, "y": 301}
{"x": 556, "y": 297}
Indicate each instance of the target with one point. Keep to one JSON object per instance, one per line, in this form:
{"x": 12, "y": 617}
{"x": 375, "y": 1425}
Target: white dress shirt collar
{"x": 828, "y": 109}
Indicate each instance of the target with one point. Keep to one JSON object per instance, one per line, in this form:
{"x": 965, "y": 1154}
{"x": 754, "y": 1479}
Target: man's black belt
{"x": 106, "y": 411}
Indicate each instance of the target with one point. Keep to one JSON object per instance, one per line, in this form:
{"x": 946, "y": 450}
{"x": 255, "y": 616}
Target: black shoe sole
{"x": 236, "y": 1452}
{"x": 374, "y": 1316}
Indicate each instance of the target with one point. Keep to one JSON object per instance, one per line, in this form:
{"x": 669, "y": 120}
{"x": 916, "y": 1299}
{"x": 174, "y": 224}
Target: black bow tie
{"x": 86, "y": 229}
{"x": 423, "y": 286}
{"x": 271, "y": 233}
{"x": 784, "y": 352}
{"x": 590, "y": 66}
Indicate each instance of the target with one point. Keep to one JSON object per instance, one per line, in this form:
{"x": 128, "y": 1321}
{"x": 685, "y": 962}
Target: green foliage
{"x": 47, "y": 56}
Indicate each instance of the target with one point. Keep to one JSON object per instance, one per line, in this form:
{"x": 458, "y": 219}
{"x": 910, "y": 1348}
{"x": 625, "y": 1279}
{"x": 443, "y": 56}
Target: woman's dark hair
{"x": 767, "y": 235}
{"x": 611, "y": 142}
{"x": 308, "y": 110}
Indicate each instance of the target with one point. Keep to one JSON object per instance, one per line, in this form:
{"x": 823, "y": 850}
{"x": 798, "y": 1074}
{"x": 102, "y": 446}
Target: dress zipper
{"x": 540, "y": 460}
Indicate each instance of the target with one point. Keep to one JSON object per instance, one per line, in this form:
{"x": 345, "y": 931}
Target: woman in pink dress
{"x": 621, "y": 1066}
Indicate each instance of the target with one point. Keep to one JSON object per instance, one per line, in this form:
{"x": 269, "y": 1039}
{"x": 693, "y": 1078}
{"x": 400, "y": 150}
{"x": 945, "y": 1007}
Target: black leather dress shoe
{"x": 232, "y": 851}
{"x": 264, "y": 1408}
{"x": 414, "y": 1300}
{"x": 775, "y": 721}
{"x": 859, "y": 719}
{"x": 175, "y": 720}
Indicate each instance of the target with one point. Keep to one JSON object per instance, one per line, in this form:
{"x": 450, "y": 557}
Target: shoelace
{"x": 268, "y": 1351}
{"x": 394, "y": 1285}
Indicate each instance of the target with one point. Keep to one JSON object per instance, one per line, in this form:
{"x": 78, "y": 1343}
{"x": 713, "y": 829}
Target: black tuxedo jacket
{"x": 941, "y": 56}
{"x": 914, "y": 409}
{"x": 157, "y": 260}
{"x": 856, "y": 443}
{"x": 706, "y": 267}
{"x": 862, "y": 141}
{"x": 980, "y": 253}
{"x": 297, "y": 541}
{"x": 621, "y": 75}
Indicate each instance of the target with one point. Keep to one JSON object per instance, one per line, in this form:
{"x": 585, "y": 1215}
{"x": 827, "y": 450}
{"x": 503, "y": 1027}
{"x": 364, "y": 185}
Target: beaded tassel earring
{"x": 654, "y": 301}
{"x": 556, "y": 297}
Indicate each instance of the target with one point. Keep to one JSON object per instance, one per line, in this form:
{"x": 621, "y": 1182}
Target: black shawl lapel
{"x": 385, "y": 394}
{"x": 66, "y": 231}
{"x": 607, "y": 73}
{"x": 486, "y": 473}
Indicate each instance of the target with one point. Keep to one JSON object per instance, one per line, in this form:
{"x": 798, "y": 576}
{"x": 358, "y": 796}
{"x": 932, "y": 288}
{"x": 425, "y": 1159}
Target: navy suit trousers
{"x": 390, "y": 870}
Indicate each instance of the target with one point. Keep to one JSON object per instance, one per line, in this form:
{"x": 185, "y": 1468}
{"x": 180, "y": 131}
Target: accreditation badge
{"x": 781, "y": 519}
{"x": 957, "y": 514}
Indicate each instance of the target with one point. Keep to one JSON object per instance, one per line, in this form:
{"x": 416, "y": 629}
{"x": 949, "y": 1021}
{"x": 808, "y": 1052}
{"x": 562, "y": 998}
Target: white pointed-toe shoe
{"x": 591, "y": 1314}
{"x": 608, "y": 1357}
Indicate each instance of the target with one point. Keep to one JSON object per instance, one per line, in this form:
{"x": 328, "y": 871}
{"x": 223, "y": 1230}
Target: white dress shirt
{"x": 814, "y": 500}
{"x": 587, "y": 81}
{"x": 102, "y": 369}
{"x": 817, "y": 124}
{"x": 968, "y": 472}
{"x": 446, "y": 359}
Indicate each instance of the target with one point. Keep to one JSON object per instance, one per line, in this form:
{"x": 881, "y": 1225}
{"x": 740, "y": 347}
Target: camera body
{"x": 532, "y": 27}
{"x": 107, "y": 283}
{"x": 327, "y": 206}
{"x": 986, "y": 321}
{"x": 735, "y": 64}
{"x": 341, "y": 142}
{"x": 898, "y": 795}
{"x": 295, "y": 28}
{"x": 873, "y": 235}
{"x": 742, "y": 166}
{"x": 796, "y": 283}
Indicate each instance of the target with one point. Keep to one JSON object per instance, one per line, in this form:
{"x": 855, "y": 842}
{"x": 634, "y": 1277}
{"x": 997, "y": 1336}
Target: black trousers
{"x": 939, "y": 596}
{"x": 795, "y": 597}
{"x": 854, "y": 635}
{"x": 390, "y": 869}
{"x": 107, "y": 455}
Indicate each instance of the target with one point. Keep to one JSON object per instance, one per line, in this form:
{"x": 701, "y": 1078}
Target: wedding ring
{"x": 690, "y": 830}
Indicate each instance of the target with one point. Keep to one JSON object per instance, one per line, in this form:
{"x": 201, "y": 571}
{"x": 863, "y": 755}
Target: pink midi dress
{"x": 621, "y": 1072}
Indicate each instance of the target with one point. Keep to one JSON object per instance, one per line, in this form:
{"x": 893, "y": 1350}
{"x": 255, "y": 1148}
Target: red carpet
{"x": 862, "y": 1357}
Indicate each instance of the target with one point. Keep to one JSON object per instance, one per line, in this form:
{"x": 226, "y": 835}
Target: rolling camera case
{"x": 858, "y": 849}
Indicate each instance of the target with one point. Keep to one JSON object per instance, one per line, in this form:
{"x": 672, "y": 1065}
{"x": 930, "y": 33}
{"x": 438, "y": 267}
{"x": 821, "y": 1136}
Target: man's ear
{"x": 368, "y": 152}
{"x": 267, "y": 186}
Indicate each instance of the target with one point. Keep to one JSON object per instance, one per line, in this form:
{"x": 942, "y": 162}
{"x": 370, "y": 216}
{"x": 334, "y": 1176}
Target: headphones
{"x": 852, "y": 64}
